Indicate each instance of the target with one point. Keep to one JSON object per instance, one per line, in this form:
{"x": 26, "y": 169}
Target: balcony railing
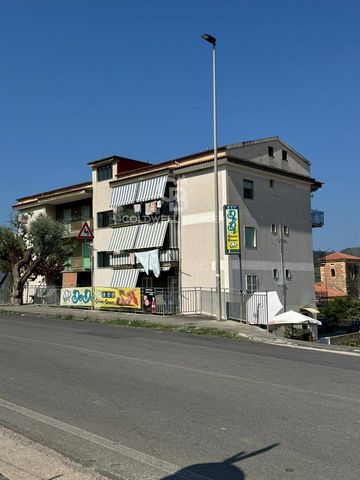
{"x": 125, "y": 259}
{"x": 72, "y": 229}
{"x": 317, "y": 218}
{"x": 77, "y": 264}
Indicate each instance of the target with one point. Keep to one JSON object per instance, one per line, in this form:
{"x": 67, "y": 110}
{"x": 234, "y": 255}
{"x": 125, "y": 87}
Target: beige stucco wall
{"x": 101, "y": 202}
{"x": 258, "y": 153}
{"x": 197, "y": 229}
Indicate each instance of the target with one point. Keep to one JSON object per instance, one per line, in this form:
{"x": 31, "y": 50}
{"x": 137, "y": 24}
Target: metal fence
{"x": 4, "y": 295}
{"x": 235, "y": 305}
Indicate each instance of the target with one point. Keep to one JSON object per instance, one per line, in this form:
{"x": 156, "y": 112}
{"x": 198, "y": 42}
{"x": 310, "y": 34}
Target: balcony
{"x": 77, "y": 264}
{"x": 168, "y": 256}
{"x": 317, "y": 218}
{"x": 72, "y": 229}
{"x": 144, "y": 213}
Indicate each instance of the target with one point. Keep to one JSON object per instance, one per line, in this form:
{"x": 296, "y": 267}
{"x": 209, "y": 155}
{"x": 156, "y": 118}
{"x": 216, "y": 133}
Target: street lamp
{"x": 212, "y": 41}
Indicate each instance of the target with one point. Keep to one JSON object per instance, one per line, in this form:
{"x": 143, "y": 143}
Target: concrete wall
{"x": 101, "y": 202}
{"x": 197, "y": 228}
{"x": 286, "y": 203}
{"x": 258, "y": 153}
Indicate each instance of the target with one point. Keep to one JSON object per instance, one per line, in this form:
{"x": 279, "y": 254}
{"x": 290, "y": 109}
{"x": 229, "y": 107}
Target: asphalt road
{"x": 138, "y": 404}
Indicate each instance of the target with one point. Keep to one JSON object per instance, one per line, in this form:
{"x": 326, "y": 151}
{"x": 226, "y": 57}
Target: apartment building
{"x": 153, "y": 224}
{"x": 71, "y": 206}
{"x": 164, "y": 213}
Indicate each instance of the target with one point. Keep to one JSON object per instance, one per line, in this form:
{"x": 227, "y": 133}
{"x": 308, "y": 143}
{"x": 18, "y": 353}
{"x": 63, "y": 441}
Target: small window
{"x": 250, "y": 237}
{"x": 104, "y": 172}
{"x": 103, "y": 259}
{"x": 273, "y": 228}
{"x": 288, "y": 274}
{"x": 252, "y": 283}
{"x": 285, "y": 230}
{"x": 275, "y": 273}
{"x": 284, "y": 155}
{"x": 332, "y": 272}
{"x": 270, "y": 151}
{"x": 271, "y": 183}
{"x": 248, "y": 189}
{"x": 105, "y": 219}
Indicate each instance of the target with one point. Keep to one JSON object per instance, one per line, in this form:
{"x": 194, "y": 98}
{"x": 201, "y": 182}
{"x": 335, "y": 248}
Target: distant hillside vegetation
{"x": 352, "y": 251}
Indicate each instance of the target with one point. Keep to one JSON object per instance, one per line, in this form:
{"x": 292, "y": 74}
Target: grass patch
{"x": 214, "y": 332}
{"x": 138, "y": 323}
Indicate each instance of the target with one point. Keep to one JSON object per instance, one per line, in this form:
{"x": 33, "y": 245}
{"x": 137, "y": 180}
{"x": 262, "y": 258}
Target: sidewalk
{"x": 22, "y": 459}
{"x": 184, "y": 322}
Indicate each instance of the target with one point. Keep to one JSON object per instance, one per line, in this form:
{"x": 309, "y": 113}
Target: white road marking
{"x": 117, "y": 447}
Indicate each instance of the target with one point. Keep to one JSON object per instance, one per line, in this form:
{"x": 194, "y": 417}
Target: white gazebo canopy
{"x": 292, "y": 317}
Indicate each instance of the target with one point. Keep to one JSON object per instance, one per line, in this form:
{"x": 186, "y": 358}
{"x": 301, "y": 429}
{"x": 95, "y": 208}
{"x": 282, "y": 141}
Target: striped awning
{"x": 151, "y": 235}
{"x": 123, "y": 238}
{"x": 124, "y": 195}
{"x": 152, "y": 189}
{"x": 125, "y": 278}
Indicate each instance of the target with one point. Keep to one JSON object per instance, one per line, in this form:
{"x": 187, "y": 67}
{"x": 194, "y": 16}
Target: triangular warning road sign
{"x": 85, "y": 233}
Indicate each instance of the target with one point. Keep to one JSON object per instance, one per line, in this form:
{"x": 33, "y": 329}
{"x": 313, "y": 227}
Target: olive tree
{"x": 30, "y": 247}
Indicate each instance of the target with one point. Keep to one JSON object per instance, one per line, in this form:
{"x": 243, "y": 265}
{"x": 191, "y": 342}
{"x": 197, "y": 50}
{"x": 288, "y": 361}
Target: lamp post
{"x": 212, "y": 41}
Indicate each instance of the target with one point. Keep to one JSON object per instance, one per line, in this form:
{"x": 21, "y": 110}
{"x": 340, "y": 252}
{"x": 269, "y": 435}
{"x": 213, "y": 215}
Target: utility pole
{"x": 282, "y": 265}
{"x": 212, "y": 40}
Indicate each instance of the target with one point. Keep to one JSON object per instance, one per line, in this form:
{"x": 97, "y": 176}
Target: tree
{"x": 30, "y": 247}
{"x": 355, "y": 251}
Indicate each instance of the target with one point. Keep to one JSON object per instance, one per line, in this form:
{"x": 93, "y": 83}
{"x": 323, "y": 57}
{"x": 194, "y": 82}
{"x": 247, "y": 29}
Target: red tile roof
{"x": 340, "y": 256}
{"x": 322, "y": 290}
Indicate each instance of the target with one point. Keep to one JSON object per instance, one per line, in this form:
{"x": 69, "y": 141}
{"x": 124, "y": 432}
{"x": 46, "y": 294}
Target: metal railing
{"x": 77, "y": 263}
{"x": 236, "y": 305}
{"x": 4, "y": 295}
{"x": 317, "y": 218}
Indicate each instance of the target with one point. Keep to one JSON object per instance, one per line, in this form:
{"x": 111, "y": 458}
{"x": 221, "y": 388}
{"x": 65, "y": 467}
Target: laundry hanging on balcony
{"x": 150, "y": 261}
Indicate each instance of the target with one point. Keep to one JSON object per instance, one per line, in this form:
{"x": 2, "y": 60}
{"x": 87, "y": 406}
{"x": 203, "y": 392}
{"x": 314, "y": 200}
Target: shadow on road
{"x": 225, "y": 470}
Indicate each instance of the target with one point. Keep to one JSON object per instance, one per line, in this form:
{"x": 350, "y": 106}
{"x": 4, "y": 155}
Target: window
{"x": 252, "y": 283}
{"x": 288, "y": 274}
{"x": 104, "y": 172}
{"x": 105, "y": 219}
{"x": 85, "y": 212}
{"x": 332, "y": 272}
{"x": 270, "y": 151}
{"x": 248, "y": 189}
{"x": 273, "y": 228}
{"x": 250, "y": 237}
{"x": 271, "y": 183}
{"x": 103, "y": 259}
{"x": 275, "y": 273}
{"x": 285, "y": 230}
{"x": 284, "y": 155}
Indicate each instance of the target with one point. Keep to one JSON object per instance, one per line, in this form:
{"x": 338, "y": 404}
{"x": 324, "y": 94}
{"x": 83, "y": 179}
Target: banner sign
{"x": 103, "y": 297}
{"x": 232, "y": 230}
{"x": 76, "y": 297}
{"x": 117, "y": 297}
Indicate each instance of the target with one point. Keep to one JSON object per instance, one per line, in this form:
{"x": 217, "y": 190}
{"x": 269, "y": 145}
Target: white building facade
{"x": 153, "y": 225}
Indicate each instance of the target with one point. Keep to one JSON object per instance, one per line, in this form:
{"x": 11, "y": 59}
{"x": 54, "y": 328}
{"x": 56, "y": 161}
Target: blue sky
{"x": 81, "y": 80}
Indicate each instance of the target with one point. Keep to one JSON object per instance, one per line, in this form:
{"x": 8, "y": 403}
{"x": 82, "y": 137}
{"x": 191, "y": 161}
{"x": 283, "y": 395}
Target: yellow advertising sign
{"x": 103, "y": 297}
{"x": 117, "y": 297}
{"x": 232, "y": 230}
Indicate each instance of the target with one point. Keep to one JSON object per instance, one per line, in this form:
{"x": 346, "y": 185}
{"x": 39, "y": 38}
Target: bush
{"x": 341, "y": 309}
